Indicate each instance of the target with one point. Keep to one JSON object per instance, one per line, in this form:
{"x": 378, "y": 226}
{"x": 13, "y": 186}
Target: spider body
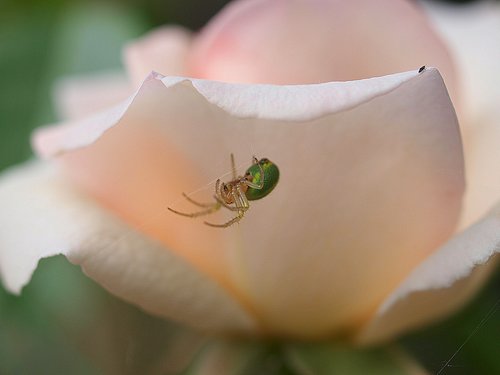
{"x": 270, "y": 176}
{"x": 257, "y": 182}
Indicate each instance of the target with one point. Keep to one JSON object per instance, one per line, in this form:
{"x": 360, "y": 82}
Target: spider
{"x": 257, "y": 182}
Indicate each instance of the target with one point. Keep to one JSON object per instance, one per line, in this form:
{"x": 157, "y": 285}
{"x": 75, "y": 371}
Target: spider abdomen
{"x": 271, "y": 177}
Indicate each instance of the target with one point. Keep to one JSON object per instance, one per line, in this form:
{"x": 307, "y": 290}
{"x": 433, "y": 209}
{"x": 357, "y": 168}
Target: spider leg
{"x": 219, "y": 199}
{"x": 233, "y": 167}
{"x": 260, "y": 185}
{"x": 254, "y": 186}
{"x": 216, "y": 206}
{"x": 235, "y": 219}
{"x": 224, "y": 204}
{"x": 242, "y": 198}
{"x": 218, "y": 189}
{"x": 242, "y": 206}
{"x": 197, "y": 203}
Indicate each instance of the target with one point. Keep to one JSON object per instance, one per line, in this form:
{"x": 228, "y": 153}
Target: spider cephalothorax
{"x": 257, "y": 182}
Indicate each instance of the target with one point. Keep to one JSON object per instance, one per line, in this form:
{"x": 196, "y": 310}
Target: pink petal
{"x": 371, "y": 183}
{"x": 365, "y": 199}
{"x": 83, "y": 95}
{"x": 441, "y": 284}
{"x": 285, "y": 42}
{"x": 473, "y": 35}
{"x": 164, "y": 50}
{"x": 43, "y": 215}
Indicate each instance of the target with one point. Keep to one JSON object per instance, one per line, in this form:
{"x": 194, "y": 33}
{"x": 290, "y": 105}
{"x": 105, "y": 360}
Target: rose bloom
{"x": 370, "y": 231}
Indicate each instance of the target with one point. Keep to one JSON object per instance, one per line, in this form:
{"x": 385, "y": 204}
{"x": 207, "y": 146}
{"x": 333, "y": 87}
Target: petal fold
{"x": 80, "y": 96}
{"x": 441, "y": 284}
{"x": 164, "y": 50}
{"x": 43, "y": 215}
{"x": 364, "y": 165}
{"x": 472, "y": 31}
{"x": 365, "y": 194}
{"x": 312, "y": 41}
{"x": 287, "y": 102}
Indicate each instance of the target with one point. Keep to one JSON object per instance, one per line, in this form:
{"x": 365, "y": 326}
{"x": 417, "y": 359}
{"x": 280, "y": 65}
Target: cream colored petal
{"x": 308, "y": 41}
{"x": 300, "y": 102}
{"x": 365, "y": 195}
{"x": 78, "y": 132}
{"x": 473, "y": 35}
{"x": 441, "y": 284}
{"x": 163, "y": 50}
{"x": 82, "y": 95}
{"x": 42, "y": 215}
{"x": 371, "y": 182}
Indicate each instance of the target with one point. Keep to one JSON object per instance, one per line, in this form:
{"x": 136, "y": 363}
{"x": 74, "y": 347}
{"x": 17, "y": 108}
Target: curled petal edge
{"x": 82, "y": 95}
{"x": 441, "y": 284}
{"x": 43, "y": 215}
{"x": 304, "y": 102}
{"x": 164, "y": 49}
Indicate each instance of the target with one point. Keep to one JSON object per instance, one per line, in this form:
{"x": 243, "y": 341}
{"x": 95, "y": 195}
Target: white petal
{"x": 284, "y": 42}
{"x": 293, "y": 102}
{"x": 365, "y": 195}
{"x": 43, "y": 215}
{"x": 371, "y": 183}
{"x": 472, "y": 32}
{"x": 82, "y": 95}
{"x": 163, "y": 50}
{"x": 441, "y": 284}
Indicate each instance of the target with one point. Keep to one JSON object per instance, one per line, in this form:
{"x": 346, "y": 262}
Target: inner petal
{"x": 290, "y": 41}
{"x": 364, "y": 196}
{"x": 366, "y": 191}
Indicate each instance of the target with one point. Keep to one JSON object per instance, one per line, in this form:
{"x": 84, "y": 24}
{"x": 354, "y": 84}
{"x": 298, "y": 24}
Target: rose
{"x": 472, "y": 33}
{"x": 379, "y": 188}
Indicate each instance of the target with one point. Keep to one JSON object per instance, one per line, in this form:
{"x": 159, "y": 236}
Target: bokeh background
{"x": 63, "y": 323}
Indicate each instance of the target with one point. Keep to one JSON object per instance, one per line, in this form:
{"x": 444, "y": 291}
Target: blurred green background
{"x": 63, "y": 323}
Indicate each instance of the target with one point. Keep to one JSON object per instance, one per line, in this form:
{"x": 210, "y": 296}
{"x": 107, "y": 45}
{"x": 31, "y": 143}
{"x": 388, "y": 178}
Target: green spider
{"x": 257, "y": 182}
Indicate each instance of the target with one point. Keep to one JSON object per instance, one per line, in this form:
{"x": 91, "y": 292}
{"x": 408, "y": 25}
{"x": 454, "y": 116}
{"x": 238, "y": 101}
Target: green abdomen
{"x": 271, "y": 177}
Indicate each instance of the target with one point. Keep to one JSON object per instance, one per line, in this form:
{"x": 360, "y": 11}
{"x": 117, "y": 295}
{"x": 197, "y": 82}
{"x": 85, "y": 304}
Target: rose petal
{"x": 82, "y": 95}
{"x": 311, "y": 41}
{"x": 473, "y": 33}
{"x": 441, "y": 284}
{"x": 371, "y": 182}
{"x": 42, "y": 215}
{"x": 48, "y": 141}
{"x": 302, "y": 103}
{"x": 366, "y": 195}
{"x": 163, "y": 50}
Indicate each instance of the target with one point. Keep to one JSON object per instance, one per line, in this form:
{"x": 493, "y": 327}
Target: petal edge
{"x": 440, "y": 284}
{"x": 57, "y": 219}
